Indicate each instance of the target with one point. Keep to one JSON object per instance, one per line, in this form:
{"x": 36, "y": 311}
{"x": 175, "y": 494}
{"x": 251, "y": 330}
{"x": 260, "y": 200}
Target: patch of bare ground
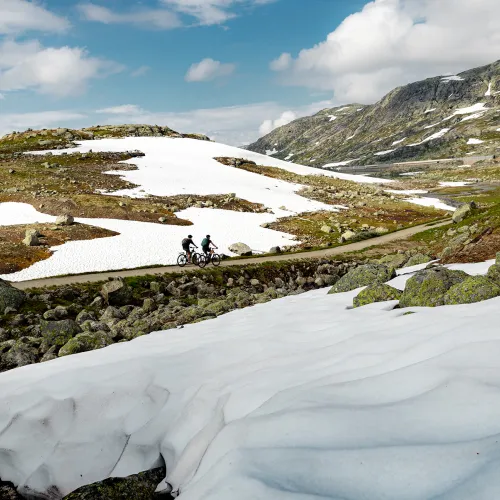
{"x": 80, "y": 184}
{"x": 16, "y": 256}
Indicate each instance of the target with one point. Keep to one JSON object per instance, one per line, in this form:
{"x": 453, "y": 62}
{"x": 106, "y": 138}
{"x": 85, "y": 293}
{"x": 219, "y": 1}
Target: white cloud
{"x": 57, "y": 71}
{"x": 268, "y": 126}
{"x": 207, "y": 70}
{"x": 45, "y": 119}
{"x": 394, "y": 42}
{"x": 235, "y": 125}
{"x": 167, "y": 14}
{"x": 17, "y": 16}
{"x": 125, "y": 109}
{"x": 141, "y": 71}
{"x": 158, "y": 18}
{"x": 284, "y": 61}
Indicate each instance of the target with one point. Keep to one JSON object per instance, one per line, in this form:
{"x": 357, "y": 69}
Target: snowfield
{"x": 299, "y": 398}
{"x": 141, "y": 243}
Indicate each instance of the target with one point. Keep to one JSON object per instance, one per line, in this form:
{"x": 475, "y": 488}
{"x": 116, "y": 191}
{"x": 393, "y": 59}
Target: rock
{"x": 138, "y": 487}
{"x": 58, "y": 333}
{"x": 56, "y": 314}
{"x": 376, "y": 293}
{"x": 427, "y": 288}
{"x": 275, "y": 250}
{"x": 21, "y": 352}
{"x": 31, "y": 238}
{"x": 347, "y": 236}
{"x": 8, "y": 491}
{"x": 156, "y": 287}
{"x": 381, "y": 230}
{"x": 98, "y": 303}
{"x": 84, "y": 342}
{"x": 255, "y": 282}
{"x": 111, "y": 313}
{"x": 363, "y": 276}
{"x": 10, "y": 296}
{"x": 230, "y": 282}
{"x": 418, "y": 259}
{"x": 473, "y": 289}
{"x": 463, "y": 212}
{"x": 84, "y": 316}
{"x": 396, "y": 261}
{"x": 494, "y": 273}
{"x": 241, "y": 249}
{"x": 116, "y": 292}
{"x": 327, "y": 229}
{"x": 65, "y": 220}
{"x": 162, "y": 220}
{"x": 149, "y": 305}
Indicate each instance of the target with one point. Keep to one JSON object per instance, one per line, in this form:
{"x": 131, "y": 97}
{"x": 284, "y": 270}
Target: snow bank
{"x": 437, "y": 135}
{"x": 141, "y": 243}
{"x": 474, "y": 141}
{"x": 431, "y": 202}
{"x": 383, "y": 153}
{"x": 298, "y": 398}
{"x": 454, "y": 184}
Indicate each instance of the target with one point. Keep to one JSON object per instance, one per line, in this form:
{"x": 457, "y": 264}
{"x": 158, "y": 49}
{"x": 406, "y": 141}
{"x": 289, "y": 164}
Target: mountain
{"x": 441, "y": 117}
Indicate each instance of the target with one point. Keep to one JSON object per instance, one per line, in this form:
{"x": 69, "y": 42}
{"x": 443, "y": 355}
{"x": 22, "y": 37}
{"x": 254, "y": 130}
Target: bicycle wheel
{"x": 182, "y": 260}
{"x": 216, "y": 259}
{"x": 202, "y": 261}
{"x": 194, "y": 258}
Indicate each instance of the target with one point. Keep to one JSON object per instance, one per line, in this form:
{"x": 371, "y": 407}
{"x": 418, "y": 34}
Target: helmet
{"x": 190, "y": 236}
{"x": 208, "y": 236}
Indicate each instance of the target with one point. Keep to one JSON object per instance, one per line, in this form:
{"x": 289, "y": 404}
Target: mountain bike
{"x": 196, "y": 259}
{"x": 214, "y": 258}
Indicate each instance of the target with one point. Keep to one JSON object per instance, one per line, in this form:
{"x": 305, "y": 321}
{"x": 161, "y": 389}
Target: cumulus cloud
{"x": 207, "y": 70}
{"x": 45, "y": 119}
{"x": 394, "y": 42}
{"x": 268, "y": 126}
{"x": 234, "y": 125}
{"x": 60, "y": 71}
{"x": 17, "y": 16}
{"x": 168, "y": 13}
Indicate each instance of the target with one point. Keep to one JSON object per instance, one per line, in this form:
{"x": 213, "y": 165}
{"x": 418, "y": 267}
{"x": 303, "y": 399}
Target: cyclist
{"x": 186, "y": 246}
{"x": 207, "y": 244}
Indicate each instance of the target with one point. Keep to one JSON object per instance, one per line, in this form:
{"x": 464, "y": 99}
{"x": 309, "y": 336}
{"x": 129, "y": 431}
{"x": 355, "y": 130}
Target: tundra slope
{"x": 435, "y": 118}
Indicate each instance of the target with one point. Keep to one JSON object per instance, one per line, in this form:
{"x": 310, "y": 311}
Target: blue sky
{"x": 233, "y": 69}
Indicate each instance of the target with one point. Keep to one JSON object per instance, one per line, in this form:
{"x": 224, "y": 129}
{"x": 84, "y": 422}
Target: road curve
{"x": 327, "y": 252}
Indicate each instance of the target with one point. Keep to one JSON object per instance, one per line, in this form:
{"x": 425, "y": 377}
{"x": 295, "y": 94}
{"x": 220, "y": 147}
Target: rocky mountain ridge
{"x": 441, "y": 117}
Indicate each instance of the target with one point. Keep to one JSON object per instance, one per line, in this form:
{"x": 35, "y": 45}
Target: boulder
{"x": 327, "y": 229}
{"x": 10, "y": 296}
{"x": 58, "y": 333}
{"x": 494, "y": 273}
{"x": 381, "y": 230}
{"x": 31, "y": 238}
{"x": 396, "y": 261}
{"x": 241, "y": 249}
{"x": 347, "y": 236}
{"x": 376, "y": 293}
{"x": 363, "y": 276}
{"x": 427, "y": 288}
{"x": 19, "y": 353}
{"x": 418, "y": 259}
{"x": 116, "y": 292}
{"x": 275, "y": 250}
{"x": 84, "y": 316}
{"x": 473, "y": 289}
{"x": 138, "y": 487}
{"x": 65, "y": 220}
{"x": 56, "y": 314}
{"x": 8, "y": 491}
{"x": 84, "y": 342}
{"x": 463, "y": 212}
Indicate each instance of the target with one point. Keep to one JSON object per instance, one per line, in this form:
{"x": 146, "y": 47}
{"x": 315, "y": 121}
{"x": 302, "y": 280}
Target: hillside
{"x": 440, "y": 117}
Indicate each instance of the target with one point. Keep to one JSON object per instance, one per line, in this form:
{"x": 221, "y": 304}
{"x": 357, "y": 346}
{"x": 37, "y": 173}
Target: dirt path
{"x": 328, "y": 252}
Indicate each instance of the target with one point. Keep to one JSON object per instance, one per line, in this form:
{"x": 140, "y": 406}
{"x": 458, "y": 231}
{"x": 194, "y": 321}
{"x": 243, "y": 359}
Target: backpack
{"x": 185, "y": 241}
{"x": 205, "y": 242}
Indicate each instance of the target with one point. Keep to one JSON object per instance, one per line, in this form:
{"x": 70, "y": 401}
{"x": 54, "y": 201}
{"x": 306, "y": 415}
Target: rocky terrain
{"x": 441, "y": 117}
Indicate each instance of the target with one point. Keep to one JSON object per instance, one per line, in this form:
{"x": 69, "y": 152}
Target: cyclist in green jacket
{"x": 207, "y": 245}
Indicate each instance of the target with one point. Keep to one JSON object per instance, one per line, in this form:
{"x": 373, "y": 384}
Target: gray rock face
{"x": 363, "y": 276}
{"x": 428, "y": 287}
{"x": 241, "y": 249}
{"x": 65, "y": 220}
{"x": 400, "y": 115}
{"x": 84, "y": 342}
{"x": 58, "y": 333}
{"x": 116, "y": 292}
{"x": 10, "y": 296}
{"x": 417, "y": 260}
